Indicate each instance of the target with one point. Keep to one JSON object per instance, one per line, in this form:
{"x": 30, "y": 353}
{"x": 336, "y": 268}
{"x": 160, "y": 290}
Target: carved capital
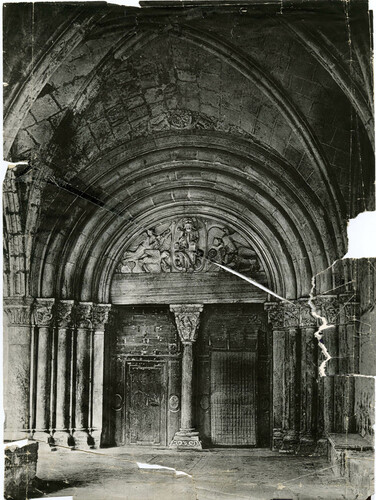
{"x": 187, "y": 317}
{"x": 83, "y": 314}
{"x": 100, "y": 315}
{"x": 43, "y": 312}
{"x": 64, "y": 313}
{"x": 275, "y": 314}
{"x": 291, "y": 315}
{"x": 328, "y": 307}
{"x": 306, "y": 318}
{"x": 18, "y": 311}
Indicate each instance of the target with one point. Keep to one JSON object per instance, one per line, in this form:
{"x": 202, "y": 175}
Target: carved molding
{"x": 336, "y": 309}
{"x": 287, "y": 315}
{"x": 64, "y": 310}
{"x": 43, "y": 312}
{"x": 189, "y": 244}
{"x": 184, "y": 119}
{"x": 83, "y": 314}
{"x": 187, "y": 317}
{"x": 100, "y": 315}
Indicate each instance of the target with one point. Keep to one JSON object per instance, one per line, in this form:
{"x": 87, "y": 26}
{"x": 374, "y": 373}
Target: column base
{"x": 186, "y": 440}
{"x": 42, "y": 436}
{"x": 290, "y": 443}
{"x": 95, "y": 439}
{"x": 81, "y": 440}
{"x": 277, "y": 441}
{"x": 307, "y": 445}
{"x": 61, "y": 438}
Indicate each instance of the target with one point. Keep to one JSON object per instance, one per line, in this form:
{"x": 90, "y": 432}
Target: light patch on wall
{"x": 361, "y": 233}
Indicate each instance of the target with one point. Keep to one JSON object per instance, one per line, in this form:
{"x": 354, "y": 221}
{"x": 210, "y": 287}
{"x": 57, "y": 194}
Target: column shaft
{"x": 100, "y": 318}
{"x": 308, "y": 377}
{"x": 186, "y": 388}
{"x": 42, "y": 422}
{"x": 82, "y": 386}
{"x": 278, "y": 387}
{"x": 43, "y": 314}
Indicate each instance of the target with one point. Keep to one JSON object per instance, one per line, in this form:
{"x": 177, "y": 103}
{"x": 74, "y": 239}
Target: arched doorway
{"x": 175, "y": 262}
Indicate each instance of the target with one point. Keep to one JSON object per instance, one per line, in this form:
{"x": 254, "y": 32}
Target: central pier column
{"x": 187, "y": 317}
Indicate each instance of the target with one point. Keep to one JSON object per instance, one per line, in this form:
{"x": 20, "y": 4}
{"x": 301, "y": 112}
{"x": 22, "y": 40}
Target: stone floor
{"x": 209, "y": 475}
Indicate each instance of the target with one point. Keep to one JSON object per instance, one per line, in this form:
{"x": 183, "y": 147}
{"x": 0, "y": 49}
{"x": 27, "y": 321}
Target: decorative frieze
{"x": 187, "y": 318}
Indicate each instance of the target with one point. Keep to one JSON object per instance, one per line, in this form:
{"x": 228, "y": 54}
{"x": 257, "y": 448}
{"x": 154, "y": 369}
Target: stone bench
{"x": 352, "y": 457}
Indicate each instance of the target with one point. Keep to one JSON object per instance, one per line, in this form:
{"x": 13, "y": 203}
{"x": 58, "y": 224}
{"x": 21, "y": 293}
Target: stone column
{"x": 284, "y": 320}
{"x": 292, "y": 376}
{"x": 43, "y": 314}
{"x": 187, "y": 317}
{"x": 348, "y": 364}
{"x": 17, "y": 367}
{"x": 328, "y": 307}
{"x": 63, "y": 371}
{"x": 308, "y": 379}
{"x": 276, "y": 320}
{"x": 83, "y": 347}
{"x": 100, "y": 318}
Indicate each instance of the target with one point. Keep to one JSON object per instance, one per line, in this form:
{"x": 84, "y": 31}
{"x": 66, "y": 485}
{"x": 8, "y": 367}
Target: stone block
{"x": 20, "y": 469}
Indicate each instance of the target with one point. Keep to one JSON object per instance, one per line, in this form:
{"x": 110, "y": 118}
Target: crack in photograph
{"x": 180, "y": 319}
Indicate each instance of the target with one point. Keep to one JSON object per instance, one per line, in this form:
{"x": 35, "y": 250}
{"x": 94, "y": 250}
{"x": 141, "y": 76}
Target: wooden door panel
{"x": 233, "y": 398}
{"x": 146, "y": 401}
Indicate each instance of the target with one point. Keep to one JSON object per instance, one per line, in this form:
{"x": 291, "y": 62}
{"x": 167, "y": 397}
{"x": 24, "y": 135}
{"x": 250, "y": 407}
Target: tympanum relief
{"x": 189, "y": 244}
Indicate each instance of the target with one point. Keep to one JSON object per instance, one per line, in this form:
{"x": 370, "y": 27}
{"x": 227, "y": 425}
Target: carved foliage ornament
{"x": 189, "y": 244}
{"x": 187, "y": 319}
{"x": 64, "y": 313}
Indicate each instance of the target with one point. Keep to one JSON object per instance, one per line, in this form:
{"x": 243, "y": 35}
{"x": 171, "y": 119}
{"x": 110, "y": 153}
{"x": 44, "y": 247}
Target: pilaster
{"x": 18, "y": 341}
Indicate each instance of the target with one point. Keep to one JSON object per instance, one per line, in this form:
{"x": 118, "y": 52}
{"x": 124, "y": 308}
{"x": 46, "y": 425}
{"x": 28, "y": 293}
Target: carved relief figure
{"x": 151, "y": 256}
{"x": 187, "y": 253}
{"x": 231, "y": 253}
{"x": 180, "y": 246}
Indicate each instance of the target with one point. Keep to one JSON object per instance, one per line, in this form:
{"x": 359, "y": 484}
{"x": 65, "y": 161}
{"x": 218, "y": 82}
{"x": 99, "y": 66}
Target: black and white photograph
{"x": 183, "y": 315}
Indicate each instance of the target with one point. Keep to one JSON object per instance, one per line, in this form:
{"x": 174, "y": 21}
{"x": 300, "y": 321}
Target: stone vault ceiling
{"x": 129, "y": 117}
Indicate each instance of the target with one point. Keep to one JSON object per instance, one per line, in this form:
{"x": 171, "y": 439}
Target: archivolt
{"x": 258, "y": 193}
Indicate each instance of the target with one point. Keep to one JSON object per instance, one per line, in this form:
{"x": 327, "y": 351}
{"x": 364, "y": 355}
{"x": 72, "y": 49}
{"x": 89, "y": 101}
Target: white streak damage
{"x": 324, "y": 325}
{"x": 253, "y": 282}
{"x": 161, "y": 467}
{"x": 17, "y": 444}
